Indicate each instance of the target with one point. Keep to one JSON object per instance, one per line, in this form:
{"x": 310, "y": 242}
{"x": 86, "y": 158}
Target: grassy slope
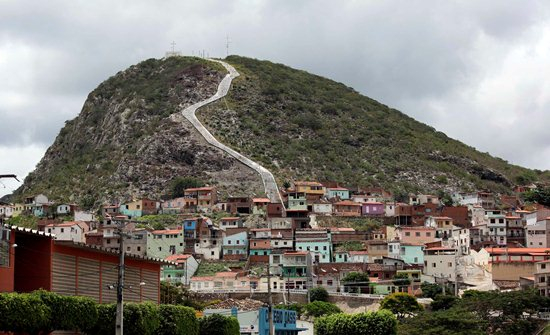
{"x": 303, "y": 126}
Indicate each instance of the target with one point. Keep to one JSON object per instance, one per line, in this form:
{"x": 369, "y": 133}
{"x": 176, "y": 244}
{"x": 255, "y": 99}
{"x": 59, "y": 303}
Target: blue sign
{"x": 282, "y": 320}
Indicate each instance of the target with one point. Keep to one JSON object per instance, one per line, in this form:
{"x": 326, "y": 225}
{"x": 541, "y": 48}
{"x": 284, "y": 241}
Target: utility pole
{"x": 120, "y": 286}
{"x": 121, "y": 223}
{"x": 270, "y": 299}
{"x": 227, "y": 42}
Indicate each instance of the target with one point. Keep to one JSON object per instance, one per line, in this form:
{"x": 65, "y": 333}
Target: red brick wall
{"x": 7, "y": 273}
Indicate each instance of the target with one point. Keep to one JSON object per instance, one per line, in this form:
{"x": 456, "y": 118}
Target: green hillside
{"x": 304, "y": 126}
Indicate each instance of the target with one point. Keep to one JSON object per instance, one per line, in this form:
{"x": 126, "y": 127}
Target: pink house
{"x": 373, "y": 209}
{"x": 416, "y": 235}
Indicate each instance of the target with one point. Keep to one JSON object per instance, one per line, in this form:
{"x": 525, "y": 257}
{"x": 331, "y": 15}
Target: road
{"x": 270, "y": 186}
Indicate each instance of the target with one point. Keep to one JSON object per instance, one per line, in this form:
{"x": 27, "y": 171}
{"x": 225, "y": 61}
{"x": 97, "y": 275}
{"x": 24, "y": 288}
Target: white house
{"x": 537, "y": 234}
{"x": 6, "y": 211}
{"x": 63, "y": 209}
{"x": 322, "y": 208}
{"x": 69, "y": 231}
{"x": 84, "y": 216}
{"x": 440, "y": 262}
{"x": 360, "y": 256}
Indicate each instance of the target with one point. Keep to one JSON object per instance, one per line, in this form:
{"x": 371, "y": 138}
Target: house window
{"x": 450, "y": 264}
{"x": 138, "y": 248}
{"x": 417, "y": 234}
{"x": 316, "y": 248}
{"x": 543, "y": 266}
{"x": 62, "y": 230}
{"x": 324, "y": 247}
{"x": 408, "y": 233}
{"x": 238, "y": 242}
{"x": 329, "y": 282}
{"x": 160, "y": 248}
{"x": 211, "y": 253}
{"x": 128, "y": 248}
{"x": 434, "y": 265}
{"x": 428, "y": 234}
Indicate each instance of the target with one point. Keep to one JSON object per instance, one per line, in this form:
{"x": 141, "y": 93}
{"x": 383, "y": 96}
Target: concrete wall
{"x": 512, "y": 271}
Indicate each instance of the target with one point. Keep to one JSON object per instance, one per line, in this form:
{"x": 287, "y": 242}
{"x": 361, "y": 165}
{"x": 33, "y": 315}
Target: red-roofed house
{"x": 347, "y": 208}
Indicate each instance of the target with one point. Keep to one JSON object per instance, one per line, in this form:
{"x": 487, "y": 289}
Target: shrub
{"x": 217, "y": 324}
{"x": 370, "y": 323}
{"x": 141, "y": 318}
{"x": 321, "y": 308}
{"x": 23, "y": 313}
{"x": 178, "y": 320}
{"x": 106, "y": 319}
{"x": 318, "y": 294}
{"x": 69, "y": 313}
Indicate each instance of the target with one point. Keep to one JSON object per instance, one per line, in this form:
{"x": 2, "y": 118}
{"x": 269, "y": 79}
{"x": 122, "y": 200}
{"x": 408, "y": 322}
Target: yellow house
{"x": 17, "y": 209}
{"x": 310, "y": 188}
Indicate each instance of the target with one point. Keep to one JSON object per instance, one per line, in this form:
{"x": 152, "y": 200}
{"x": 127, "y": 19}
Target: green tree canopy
{"x": 318, "y": 294}
{"x": 401, "y": 304}
{"x": 181, "y": 183}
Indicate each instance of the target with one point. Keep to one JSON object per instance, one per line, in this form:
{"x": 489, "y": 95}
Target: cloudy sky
{"x": 478, "y": 71}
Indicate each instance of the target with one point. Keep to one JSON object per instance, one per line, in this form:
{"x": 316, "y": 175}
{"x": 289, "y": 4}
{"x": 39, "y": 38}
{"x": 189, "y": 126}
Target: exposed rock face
{"x": 129, "y": 139}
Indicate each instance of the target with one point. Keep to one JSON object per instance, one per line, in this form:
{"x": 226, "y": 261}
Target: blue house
{"x": 340, "y": 192}
{"x": 235, "y": 244}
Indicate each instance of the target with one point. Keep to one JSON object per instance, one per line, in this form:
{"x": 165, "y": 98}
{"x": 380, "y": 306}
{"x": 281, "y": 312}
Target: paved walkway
{"x": 270, "y": 185}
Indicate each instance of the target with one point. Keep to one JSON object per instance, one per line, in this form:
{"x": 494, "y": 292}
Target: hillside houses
{"x": 319, "y": 233}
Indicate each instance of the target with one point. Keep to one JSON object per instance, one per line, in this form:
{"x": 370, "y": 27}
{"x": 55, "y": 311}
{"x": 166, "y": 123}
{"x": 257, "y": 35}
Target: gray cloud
{"x": 470, "y": 69}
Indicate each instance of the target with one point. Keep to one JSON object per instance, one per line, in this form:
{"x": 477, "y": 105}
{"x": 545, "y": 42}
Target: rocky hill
{"x": 129, "y": 139}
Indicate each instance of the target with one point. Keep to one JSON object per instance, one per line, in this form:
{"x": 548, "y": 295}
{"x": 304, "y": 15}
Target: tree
{"x": 321, "y": 308}
{"x": 401, "y": 280}
{"x": 539, "y": 195}
{"x": 181, "y": 183}
{"x": 401, "y": 304}
{"x": 451, "y": 322}
{"x": 171, "y": 294}
{"x": 443, "y": 302}
{"x": 430, "y": 290}
{"x": 356, "y": 282}
{"x": 217, "y": 324}
{"x": 318, "y": 294}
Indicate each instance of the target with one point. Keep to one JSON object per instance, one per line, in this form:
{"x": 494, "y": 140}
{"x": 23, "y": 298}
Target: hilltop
{"x": 130, "y": 140}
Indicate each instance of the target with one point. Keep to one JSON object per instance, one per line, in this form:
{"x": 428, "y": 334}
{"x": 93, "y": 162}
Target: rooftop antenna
{"x": 227, "y": 42}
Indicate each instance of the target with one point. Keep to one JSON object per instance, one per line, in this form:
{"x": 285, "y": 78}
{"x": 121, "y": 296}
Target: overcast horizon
{"x": 475, "y": 71}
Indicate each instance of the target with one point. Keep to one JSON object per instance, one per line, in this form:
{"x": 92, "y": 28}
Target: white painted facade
{"x": 84, "y": 216}
{"x": 68, "y": 231}
{"x": 440, "y": 263}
